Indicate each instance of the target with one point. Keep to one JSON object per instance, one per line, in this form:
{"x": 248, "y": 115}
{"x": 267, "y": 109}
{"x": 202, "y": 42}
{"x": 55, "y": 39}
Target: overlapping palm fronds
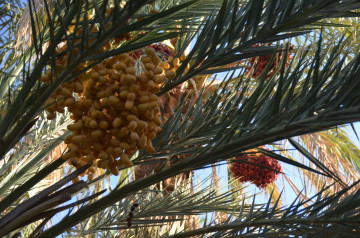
{"x": 318, "y": 91}
{"x": 322, "y": 218}
{"x": 161, "y": 215}
{"x": 335, "y": 150}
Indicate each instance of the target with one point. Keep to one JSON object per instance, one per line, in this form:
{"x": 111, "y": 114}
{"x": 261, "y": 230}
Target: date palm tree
{"x": 296, "y": 108}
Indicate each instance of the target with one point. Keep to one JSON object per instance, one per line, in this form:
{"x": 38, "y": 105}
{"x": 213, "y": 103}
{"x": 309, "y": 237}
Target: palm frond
{"x": 157, "y": 210}
{"x": 294, "y": 220}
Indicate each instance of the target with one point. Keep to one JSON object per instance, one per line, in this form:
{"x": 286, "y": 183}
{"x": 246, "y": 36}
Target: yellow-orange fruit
{"x": 134, "y": 136}
{"x": 116, "y": 122}
{"x": 115, "y": 76}
{"x": 68, "y": 155}
{"x": 114, "y": 170}
{"x": 67, "y": 139}
{"x": 120, "y": 66}
{"x": 96, "y": 134}
{"x": 129, "y": 61}
{"x": 132, "y": 125}
{"x": 123, "y": 132}
{"x": 158, "y": 70}
{"x": 149, "y": 51}
{"x": 103, "y": 124}
{"x": 143, "y": 141}
{"x": 110, "y": 151}
{"x": 130, "y": 70}
{"x": 124, "y": 145}
{"x": 103, "y": 155}
{"x": 149, "y": 66}
{"x": 78, "y": 88}
{"x": 134, "y": 88}
{"x": 125, "y": 160}
{"x": 60, "y": 109}
{"x": 130, "y": 79}
{"x": 170, "y": 74}
{"x": 103, "y": 72}
{"x": 118, "y": 163}
{"x": 104, "y": 164}
{"x": 157, "y": 129}
{"x": 131, "y": 117}
{"x": 142, "y": 124}
{"x": 144, "y": 99}
{"x": 94, "y": 75}
{"x": 93, "y": 124}
{"x": 115, "y": 142}
{"x": 117, "y": 151}
{"x": 114, "y": 131}
{"x": 154, "y": 104}
{"x": 129, "y": 104}
{"x": 97, "y": 147}
{"x": 151, "y": 84}
{"x": 159, "y": 78}
{"x": 90, "y": 159}
{"x": 144, "y": 106}
{"x": 113, "y": 100}
{"x": 104, "y": 102}
{"x": 65, "y": 92}
{"x": 131, "y": 96}
{"x": 153, "y": 98}
{"x": 149, "y": 114}
{"x": 155, "y": 59}
{"x": 170, "y": 59}
{"x": 108, "y": 91}
{"x": 150, "y": 149}
{"x": 164, "y": 65}
{"x": 157, "y": 121}
{"x": 151, "y": 135}
{"x": 73, "y": 147}
{"x": 100, "y": 95}
{"x": 123, "y": 93}
{"x": 146, "y": 59}
{"x": 176, "y": 62}
{"x": 102, "y": 80}
{"x": 143, "y": 77}
{"x": 78, "y": 139}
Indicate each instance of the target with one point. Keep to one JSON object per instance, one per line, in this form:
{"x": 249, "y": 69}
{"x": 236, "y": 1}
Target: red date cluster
{"x": 258, "y": 64}
{"x": 161, "y": 49}
{"x": 260, "y": 170}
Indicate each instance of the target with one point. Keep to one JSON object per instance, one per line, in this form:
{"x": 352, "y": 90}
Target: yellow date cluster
{"x": 114, "y": 107}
